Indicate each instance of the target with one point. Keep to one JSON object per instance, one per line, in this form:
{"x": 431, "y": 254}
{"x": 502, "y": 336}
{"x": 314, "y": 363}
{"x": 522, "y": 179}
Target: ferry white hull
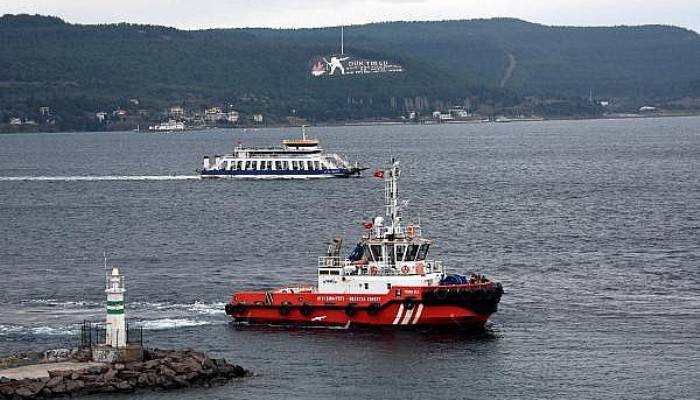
{"x": 262, "y": 174}
{"x": 263, "y": 177}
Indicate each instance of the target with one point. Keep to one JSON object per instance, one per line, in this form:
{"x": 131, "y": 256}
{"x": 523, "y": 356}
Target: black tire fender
{"x": 284, "y": 308}
{"x": 351, "y": 309}
{"x": 373, "y": 308}
{"x": 306, "y": 309}
{"x": 409, "y": 303}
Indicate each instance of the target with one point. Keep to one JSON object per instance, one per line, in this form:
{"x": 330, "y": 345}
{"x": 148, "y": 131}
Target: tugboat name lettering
{"x": 330, "y": 298}
{"x": 364, "y": 298}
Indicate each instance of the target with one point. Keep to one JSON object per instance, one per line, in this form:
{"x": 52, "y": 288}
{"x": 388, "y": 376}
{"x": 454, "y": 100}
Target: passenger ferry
{"x": 388, "y": 280}
{"x": 296, "y": 159}
{"x": 169, "y": 126}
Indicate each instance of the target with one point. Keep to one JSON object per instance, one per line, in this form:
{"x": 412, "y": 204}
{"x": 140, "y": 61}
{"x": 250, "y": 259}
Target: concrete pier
{"x": 160, "y": 369}
{"x": 42, "y": 370}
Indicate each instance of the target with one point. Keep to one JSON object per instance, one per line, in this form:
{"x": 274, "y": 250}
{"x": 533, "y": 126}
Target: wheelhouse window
{"x": 366, "y": 252}
{"x": 400, "y": 252}
{"x": 389, "y": 253}
{"x": 377, "y": 252}
{"x": 423, "y": 252}
{"x": 411, "y": 252}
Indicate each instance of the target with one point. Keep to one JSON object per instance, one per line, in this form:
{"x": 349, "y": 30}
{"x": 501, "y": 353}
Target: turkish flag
{"x": 367, "y": 225}
{"x": 379, "y": 173}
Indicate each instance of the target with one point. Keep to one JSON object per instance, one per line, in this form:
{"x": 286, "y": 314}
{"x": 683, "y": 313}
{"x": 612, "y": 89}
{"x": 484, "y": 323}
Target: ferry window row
{"x": 276, "y": 165}
{"x": 412, "y": 252}
{"x": 328, "y": 272}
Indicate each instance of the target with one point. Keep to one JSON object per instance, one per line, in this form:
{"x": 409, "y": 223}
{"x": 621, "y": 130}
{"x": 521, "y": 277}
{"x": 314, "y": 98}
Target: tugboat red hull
{"x": 460, "y": 306}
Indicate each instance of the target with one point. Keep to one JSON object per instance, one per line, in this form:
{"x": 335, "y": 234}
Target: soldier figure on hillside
{"x": 336, "y": 63}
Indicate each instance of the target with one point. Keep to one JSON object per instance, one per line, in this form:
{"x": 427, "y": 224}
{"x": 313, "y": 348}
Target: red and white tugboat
{"x": 387, "y": 280}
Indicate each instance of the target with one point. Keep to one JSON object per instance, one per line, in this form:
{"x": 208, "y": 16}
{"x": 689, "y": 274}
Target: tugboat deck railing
{"x": 431, "y": 266}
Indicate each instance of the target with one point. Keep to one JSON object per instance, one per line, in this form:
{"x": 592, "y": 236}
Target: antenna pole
{"x": 342, "y": 40}
{"x": 391, "y": 194}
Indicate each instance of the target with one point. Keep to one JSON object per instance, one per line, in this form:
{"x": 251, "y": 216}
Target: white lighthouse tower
{"x": 116, "y": 324}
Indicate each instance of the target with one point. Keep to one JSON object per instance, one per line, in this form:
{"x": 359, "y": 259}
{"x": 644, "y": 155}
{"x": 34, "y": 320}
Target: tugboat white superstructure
{"x": 387, "y": 280}
{"x": 296, "y": 159}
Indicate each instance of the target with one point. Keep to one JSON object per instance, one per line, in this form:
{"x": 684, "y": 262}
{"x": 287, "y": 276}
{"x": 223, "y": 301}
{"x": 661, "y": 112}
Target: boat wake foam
{"x": 173, "y": 323}
{"x": 74, "y": 330}
{"x": 152, "y": 316}
{"x": 79, "y": 178}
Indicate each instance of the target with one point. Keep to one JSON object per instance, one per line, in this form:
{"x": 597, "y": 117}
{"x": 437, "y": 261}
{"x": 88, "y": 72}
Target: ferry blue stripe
{"x": 339, "y": 171}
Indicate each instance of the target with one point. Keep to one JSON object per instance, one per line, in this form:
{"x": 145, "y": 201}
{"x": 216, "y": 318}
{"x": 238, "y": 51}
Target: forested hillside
{"x": 490, "y": 66}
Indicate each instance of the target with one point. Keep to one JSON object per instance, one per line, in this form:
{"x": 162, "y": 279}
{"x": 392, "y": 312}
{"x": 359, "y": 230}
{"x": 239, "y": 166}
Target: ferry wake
{"x": 387, "y": 280}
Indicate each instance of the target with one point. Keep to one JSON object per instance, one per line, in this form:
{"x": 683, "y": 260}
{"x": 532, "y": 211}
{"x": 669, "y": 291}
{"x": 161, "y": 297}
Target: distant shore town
{"x": 180, "y": 118}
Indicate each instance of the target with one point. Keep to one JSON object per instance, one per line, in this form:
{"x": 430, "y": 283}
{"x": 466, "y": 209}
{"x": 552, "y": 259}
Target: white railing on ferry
{"x": 330, "y": 262}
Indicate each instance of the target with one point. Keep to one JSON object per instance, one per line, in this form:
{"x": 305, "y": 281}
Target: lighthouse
{"x": 116, "y": 324}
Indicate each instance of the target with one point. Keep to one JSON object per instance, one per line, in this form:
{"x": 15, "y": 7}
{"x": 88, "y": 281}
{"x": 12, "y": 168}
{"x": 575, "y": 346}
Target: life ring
{"x": 409, "y": 303}
{"x": 410, "y": 231}
{"x": 374, "y": 270}
{"x": 420, "y": 268}
{"x": 404, "y": 269}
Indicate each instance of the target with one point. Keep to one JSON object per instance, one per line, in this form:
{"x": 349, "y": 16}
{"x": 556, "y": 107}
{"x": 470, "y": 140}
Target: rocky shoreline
{"x": 159, "y": 370}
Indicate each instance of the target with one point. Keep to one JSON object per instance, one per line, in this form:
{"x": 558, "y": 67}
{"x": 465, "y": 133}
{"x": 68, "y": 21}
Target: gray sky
{"x": 196, "y": 14}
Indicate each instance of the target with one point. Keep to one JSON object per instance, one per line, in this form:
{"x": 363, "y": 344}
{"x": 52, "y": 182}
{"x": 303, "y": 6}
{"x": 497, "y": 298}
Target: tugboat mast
{"x": 391, "y": 197}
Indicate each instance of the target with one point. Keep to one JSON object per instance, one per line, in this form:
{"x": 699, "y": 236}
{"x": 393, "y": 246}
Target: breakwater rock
{"x": 160, "y": 369}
